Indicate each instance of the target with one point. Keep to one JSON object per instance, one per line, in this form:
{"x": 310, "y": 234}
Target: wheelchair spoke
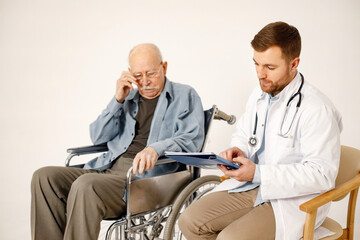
{"x": 191, "y": 193}
{"x": 148, "y": 225}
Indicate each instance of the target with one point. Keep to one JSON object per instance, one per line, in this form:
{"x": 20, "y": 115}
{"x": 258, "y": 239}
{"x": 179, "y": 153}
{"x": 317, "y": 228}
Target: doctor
{"x": 287, "y": 144}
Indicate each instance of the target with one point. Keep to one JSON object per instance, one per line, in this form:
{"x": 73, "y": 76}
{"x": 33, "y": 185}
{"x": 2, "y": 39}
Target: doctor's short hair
{"x": 279, "y": 34}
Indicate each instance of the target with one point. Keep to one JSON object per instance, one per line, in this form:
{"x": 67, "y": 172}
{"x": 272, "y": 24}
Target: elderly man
{"x": 287, "y": 145}
{"x": 138, "y": 125}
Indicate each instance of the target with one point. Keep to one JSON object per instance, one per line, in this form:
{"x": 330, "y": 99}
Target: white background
{"x": 59, "y": 61}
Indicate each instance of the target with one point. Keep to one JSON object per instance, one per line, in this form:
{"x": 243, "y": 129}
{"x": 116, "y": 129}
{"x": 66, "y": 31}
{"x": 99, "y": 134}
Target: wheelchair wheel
{"x": 118, "y": 227}
{"x": 195, "y": 190}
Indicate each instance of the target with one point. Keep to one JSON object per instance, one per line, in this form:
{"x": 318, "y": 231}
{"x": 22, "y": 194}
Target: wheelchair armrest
{"x": 88, "y": 149}
{"x": 84, "y": 150}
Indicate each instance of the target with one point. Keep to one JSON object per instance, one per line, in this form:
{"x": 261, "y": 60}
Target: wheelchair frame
{"x": 171, "y": 193}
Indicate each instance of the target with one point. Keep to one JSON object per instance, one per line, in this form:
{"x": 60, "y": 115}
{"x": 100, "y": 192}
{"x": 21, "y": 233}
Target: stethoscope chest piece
{"x": 252, "y": 141}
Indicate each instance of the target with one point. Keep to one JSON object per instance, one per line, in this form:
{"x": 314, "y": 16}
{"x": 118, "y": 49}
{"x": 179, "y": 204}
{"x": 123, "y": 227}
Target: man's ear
{"x": 164, "y": 65}
{"x": 294, "y": 64}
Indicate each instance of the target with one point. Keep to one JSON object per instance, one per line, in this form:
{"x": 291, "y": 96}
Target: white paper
{"x": 228, "y": 185}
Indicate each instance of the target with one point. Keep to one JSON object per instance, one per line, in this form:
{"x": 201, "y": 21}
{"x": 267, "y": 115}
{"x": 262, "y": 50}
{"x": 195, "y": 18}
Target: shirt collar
{"x": 168, "y": 90}
{"x": 273, "y": 99}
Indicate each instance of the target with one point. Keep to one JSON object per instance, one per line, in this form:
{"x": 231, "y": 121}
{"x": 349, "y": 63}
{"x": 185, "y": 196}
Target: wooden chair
{"x": 347, "y": 181}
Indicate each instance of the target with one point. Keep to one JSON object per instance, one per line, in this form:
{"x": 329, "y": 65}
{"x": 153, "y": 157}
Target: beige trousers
{"x": 225, "y": 216}
{"x": 69, "y": 203}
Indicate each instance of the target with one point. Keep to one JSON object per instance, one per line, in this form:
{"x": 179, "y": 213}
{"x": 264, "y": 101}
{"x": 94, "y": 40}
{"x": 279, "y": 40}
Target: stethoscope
{"x": 253, "y": 140}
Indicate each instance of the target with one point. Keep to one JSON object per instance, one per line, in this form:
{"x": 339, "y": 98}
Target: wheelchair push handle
{"x": 230, "y": 119}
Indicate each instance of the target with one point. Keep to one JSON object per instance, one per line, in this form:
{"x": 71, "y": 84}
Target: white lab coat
{"x": 301, "y": 166}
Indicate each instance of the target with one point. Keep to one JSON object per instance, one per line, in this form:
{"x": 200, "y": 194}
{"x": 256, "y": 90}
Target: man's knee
{"x": 44, "y": 175}
{"x": 85, "y": 185}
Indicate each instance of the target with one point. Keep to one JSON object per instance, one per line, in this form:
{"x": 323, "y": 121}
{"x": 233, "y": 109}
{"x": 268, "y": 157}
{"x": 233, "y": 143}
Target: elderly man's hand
{"x": 145, "y": 160}
{"x": 124, "y": 85}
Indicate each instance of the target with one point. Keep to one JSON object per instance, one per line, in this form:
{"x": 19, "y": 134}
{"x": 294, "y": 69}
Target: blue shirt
{"x": 177, "y": 125}
{"x": 259, "y": 160}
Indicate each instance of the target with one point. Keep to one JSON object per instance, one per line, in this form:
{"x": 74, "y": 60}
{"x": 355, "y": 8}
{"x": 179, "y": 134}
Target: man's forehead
{"x": 143, "y": 67}
{"x": 143, "y": 63}
{"x": 143, "y": 60}
{"x": 272, "y": 55}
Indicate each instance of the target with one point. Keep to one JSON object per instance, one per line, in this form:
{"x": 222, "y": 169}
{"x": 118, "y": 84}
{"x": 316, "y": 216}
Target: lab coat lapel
{"x": 261, "y": 112}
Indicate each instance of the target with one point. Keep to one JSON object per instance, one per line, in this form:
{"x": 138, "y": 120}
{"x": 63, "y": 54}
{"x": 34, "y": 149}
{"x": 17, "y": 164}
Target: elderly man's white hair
{"x": 146, "y": 46}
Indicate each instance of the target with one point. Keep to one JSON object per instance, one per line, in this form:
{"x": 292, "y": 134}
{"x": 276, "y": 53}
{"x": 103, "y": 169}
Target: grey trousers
{"x": 69, "y": 203}
{"x": 225, "y": 216}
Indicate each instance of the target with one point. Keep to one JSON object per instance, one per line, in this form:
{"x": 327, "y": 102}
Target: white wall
{"x": 59, "y": 61}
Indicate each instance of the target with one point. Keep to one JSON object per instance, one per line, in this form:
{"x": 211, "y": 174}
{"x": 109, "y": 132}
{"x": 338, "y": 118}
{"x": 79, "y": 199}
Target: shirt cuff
{"x": 114, "y": 106}
{"x": 257, "y": 175}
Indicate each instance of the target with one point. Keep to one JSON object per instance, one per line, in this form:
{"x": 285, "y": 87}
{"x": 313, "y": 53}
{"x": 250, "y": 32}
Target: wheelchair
{"x": 158, "y": 200}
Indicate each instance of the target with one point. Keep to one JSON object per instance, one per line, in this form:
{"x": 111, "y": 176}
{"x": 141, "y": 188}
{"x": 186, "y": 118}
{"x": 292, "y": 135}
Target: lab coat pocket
{"x": 284, "y": 142}
{"x": 284, "y": 149}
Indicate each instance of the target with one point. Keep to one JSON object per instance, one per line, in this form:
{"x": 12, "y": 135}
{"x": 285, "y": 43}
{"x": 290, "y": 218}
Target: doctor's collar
{"x": 272, "y": 99}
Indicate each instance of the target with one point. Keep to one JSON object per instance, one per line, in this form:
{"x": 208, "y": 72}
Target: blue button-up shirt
{"x": 177, "y": 125}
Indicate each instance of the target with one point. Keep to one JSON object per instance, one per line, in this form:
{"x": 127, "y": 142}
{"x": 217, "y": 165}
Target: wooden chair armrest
{"x": 311, "y": 206}
{"x": 331, "y": 195}
{"x": 224, "y": 177}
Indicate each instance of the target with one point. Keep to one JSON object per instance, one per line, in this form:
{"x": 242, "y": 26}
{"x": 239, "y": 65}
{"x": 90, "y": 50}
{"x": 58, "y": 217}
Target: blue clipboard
{"x": 202, "y": 160}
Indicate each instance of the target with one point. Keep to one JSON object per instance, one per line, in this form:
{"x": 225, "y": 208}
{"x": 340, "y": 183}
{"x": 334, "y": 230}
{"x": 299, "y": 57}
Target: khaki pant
{"x": 69, "y": 203}
{"x": 228, "y": 216}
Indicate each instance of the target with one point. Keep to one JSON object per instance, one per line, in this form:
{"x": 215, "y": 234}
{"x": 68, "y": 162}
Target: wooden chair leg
{"x": 309, "y": 226}
{"x": 351, "y": 213}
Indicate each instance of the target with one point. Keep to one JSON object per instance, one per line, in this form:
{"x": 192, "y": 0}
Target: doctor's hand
{"x": 145, "y": 160}
{"x": 124, "y": 86}
{"x": 246, "y": 171}
{"x": 231, "y": 153}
